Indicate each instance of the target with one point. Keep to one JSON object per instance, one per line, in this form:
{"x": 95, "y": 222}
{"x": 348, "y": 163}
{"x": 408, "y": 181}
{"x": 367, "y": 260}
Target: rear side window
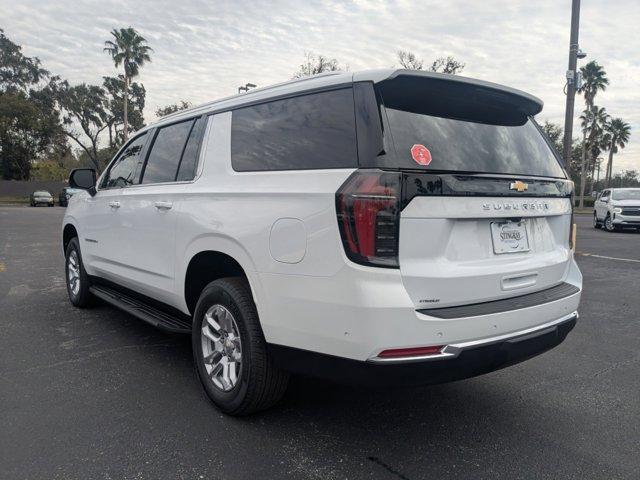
{"x": 189, "y": 162}
{"x": 309, "y": 132}
{"x": 124, "y": 171}
{"x": 166, "y": 151}
{"x": 445, "y": 126}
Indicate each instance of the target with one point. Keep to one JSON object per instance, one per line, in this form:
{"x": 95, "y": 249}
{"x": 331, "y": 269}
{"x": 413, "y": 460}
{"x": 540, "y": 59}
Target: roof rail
{"x": 253, "y": 91}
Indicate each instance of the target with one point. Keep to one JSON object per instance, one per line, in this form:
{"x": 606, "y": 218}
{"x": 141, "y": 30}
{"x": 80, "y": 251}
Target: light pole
{"x": 246, "y": 87}
{"x": 572, "y": 82}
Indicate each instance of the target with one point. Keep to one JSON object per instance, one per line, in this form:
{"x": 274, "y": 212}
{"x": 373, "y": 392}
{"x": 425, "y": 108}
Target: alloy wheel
{"x": 608, "y": 223}
{"x": 73, "y": 272}
{"x": 221, "y": 347}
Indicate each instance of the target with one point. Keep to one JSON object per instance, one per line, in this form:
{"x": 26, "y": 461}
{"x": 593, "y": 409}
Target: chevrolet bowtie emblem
{"x": 519, "y": 186}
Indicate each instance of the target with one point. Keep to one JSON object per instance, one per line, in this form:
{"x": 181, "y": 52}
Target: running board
{"x": 143, "y": 311}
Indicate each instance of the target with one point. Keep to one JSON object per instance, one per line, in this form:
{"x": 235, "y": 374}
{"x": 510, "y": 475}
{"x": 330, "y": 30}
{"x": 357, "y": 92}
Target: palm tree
{"x": 618, "y": 133}
{"x": 129, "y": 49}
{"x": 593, "y": 122}
{"x": 594, "y": 80}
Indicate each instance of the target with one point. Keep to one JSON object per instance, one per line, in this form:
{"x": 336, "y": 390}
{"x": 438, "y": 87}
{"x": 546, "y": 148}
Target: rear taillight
{"x": 368, "y": 208}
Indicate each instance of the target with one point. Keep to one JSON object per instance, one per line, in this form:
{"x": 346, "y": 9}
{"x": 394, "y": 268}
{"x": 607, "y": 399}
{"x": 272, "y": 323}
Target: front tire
{"x": 608, "y": 224}
{"x": 76, "y": 277}
{"x": 230, "y": 351}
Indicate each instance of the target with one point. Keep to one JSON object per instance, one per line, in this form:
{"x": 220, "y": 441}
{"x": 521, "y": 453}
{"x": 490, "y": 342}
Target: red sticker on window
{"x": 421, "y": 154}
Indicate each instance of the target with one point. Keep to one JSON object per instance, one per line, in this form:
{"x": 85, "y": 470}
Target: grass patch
{"x": 14, "y": 200}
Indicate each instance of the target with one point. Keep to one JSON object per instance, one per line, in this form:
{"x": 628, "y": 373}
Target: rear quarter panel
{"x": 235, "y": 213}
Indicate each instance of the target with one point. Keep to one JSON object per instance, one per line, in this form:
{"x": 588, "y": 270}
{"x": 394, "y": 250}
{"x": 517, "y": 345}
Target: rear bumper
{"x": 359, "y": 313}
{"x": 456, "y": 362}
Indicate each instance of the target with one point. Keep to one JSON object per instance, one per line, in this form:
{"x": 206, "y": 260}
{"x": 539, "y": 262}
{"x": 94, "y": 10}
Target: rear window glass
{"x": 309, "y": 132}
{"x": 472, "y": 135}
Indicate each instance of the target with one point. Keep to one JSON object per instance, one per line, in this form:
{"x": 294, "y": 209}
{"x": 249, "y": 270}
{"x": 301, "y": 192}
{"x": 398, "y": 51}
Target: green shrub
{"x": 588, "y": 201}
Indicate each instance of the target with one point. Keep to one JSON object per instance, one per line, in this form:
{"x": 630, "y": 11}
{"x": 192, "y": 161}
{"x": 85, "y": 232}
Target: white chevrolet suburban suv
{"x": 386, "y": 227}
{"x": 617, "y": 208}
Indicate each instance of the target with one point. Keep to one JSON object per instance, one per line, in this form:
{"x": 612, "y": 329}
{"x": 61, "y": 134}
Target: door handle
{"x": 114, "y": 204}
{"x": 163, "y": 205}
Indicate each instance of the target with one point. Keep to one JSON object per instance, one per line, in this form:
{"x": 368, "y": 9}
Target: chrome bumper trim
{"x": 453, "y": 350}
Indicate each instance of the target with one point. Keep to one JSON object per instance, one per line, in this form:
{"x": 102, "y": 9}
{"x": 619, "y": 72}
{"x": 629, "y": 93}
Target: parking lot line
{"x": 585, "y": 254}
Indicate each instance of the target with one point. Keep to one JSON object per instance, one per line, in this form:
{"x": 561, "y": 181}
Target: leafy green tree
{"x": 114, "y": 87}
{"x": 84, "y": 106}
{"x": 617, "y": 136}
{"x": 554, "y": 134}
{"x": 315, "y": 64}
{"x": 130, "y": 50}
{"x": 172, "y": 108}
{"x": 593, "y": 121}
{"x": 18, "y": 72}
{"x": 29, "y": 124}
{"x": 104, "y": 156}
{"x": 49, "y": 170}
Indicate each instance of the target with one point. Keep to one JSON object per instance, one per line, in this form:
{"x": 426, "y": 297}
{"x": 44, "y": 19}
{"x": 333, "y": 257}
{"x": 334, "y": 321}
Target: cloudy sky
{"x": 206, "y": 49}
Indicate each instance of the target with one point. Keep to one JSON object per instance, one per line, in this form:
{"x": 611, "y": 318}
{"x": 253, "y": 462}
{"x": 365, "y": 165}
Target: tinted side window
{"x": 189, "y": 162}
{"x": 311, "y": 131}
{"x": 164, "y": 157}
{"x": 124, "y": 170}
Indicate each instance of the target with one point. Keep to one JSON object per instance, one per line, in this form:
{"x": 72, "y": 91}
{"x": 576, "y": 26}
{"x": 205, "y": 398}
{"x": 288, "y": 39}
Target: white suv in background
{"x": 392, "y": 227}
{"x": 617, "y": 208}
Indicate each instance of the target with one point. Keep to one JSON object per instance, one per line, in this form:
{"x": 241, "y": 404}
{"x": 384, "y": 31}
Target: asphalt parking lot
{"x": 97, "y": 394}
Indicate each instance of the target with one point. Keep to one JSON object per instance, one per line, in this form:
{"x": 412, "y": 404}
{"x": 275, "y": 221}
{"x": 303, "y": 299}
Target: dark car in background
{"x": 65, "y": 194}
{"x": 41, "y": 197}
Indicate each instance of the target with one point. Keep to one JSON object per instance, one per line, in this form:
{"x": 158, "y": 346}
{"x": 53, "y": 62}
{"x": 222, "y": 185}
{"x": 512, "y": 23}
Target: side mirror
{"x": 83, "y": 178}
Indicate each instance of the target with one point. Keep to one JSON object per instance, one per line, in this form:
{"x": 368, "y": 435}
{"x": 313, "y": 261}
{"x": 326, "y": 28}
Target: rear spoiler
{"x": 459, "y": 97}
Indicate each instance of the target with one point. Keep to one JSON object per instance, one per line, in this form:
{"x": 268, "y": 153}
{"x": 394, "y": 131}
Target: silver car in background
{"x": 41, "y": 197}
{"x": 617, "y": 208}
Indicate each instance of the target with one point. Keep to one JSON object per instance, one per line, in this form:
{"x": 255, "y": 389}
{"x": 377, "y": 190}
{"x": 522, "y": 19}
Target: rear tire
{"x": 226, "y": 331}
{"x": 76, "y": 277}
{"x": 596, "y": 223}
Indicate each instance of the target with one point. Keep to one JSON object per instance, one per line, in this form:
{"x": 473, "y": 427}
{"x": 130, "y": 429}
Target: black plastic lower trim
{"x": 497, "y": 306}
{"x": 471, "y": 362}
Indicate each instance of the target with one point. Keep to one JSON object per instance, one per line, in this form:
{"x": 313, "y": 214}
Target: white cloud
{"x": 204, "y": 50}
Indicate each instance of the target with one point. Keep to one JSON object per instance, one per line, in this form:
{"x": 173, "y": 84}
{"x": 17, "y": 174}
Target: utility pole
{"x": 572, "y": 80}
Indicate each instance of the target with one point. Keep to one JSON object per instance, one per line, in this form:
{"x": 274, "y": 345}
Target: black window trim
{"x": 154, "y": 134}
{"x": 306, "y": 93}
{"x": 105, "y": 175}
